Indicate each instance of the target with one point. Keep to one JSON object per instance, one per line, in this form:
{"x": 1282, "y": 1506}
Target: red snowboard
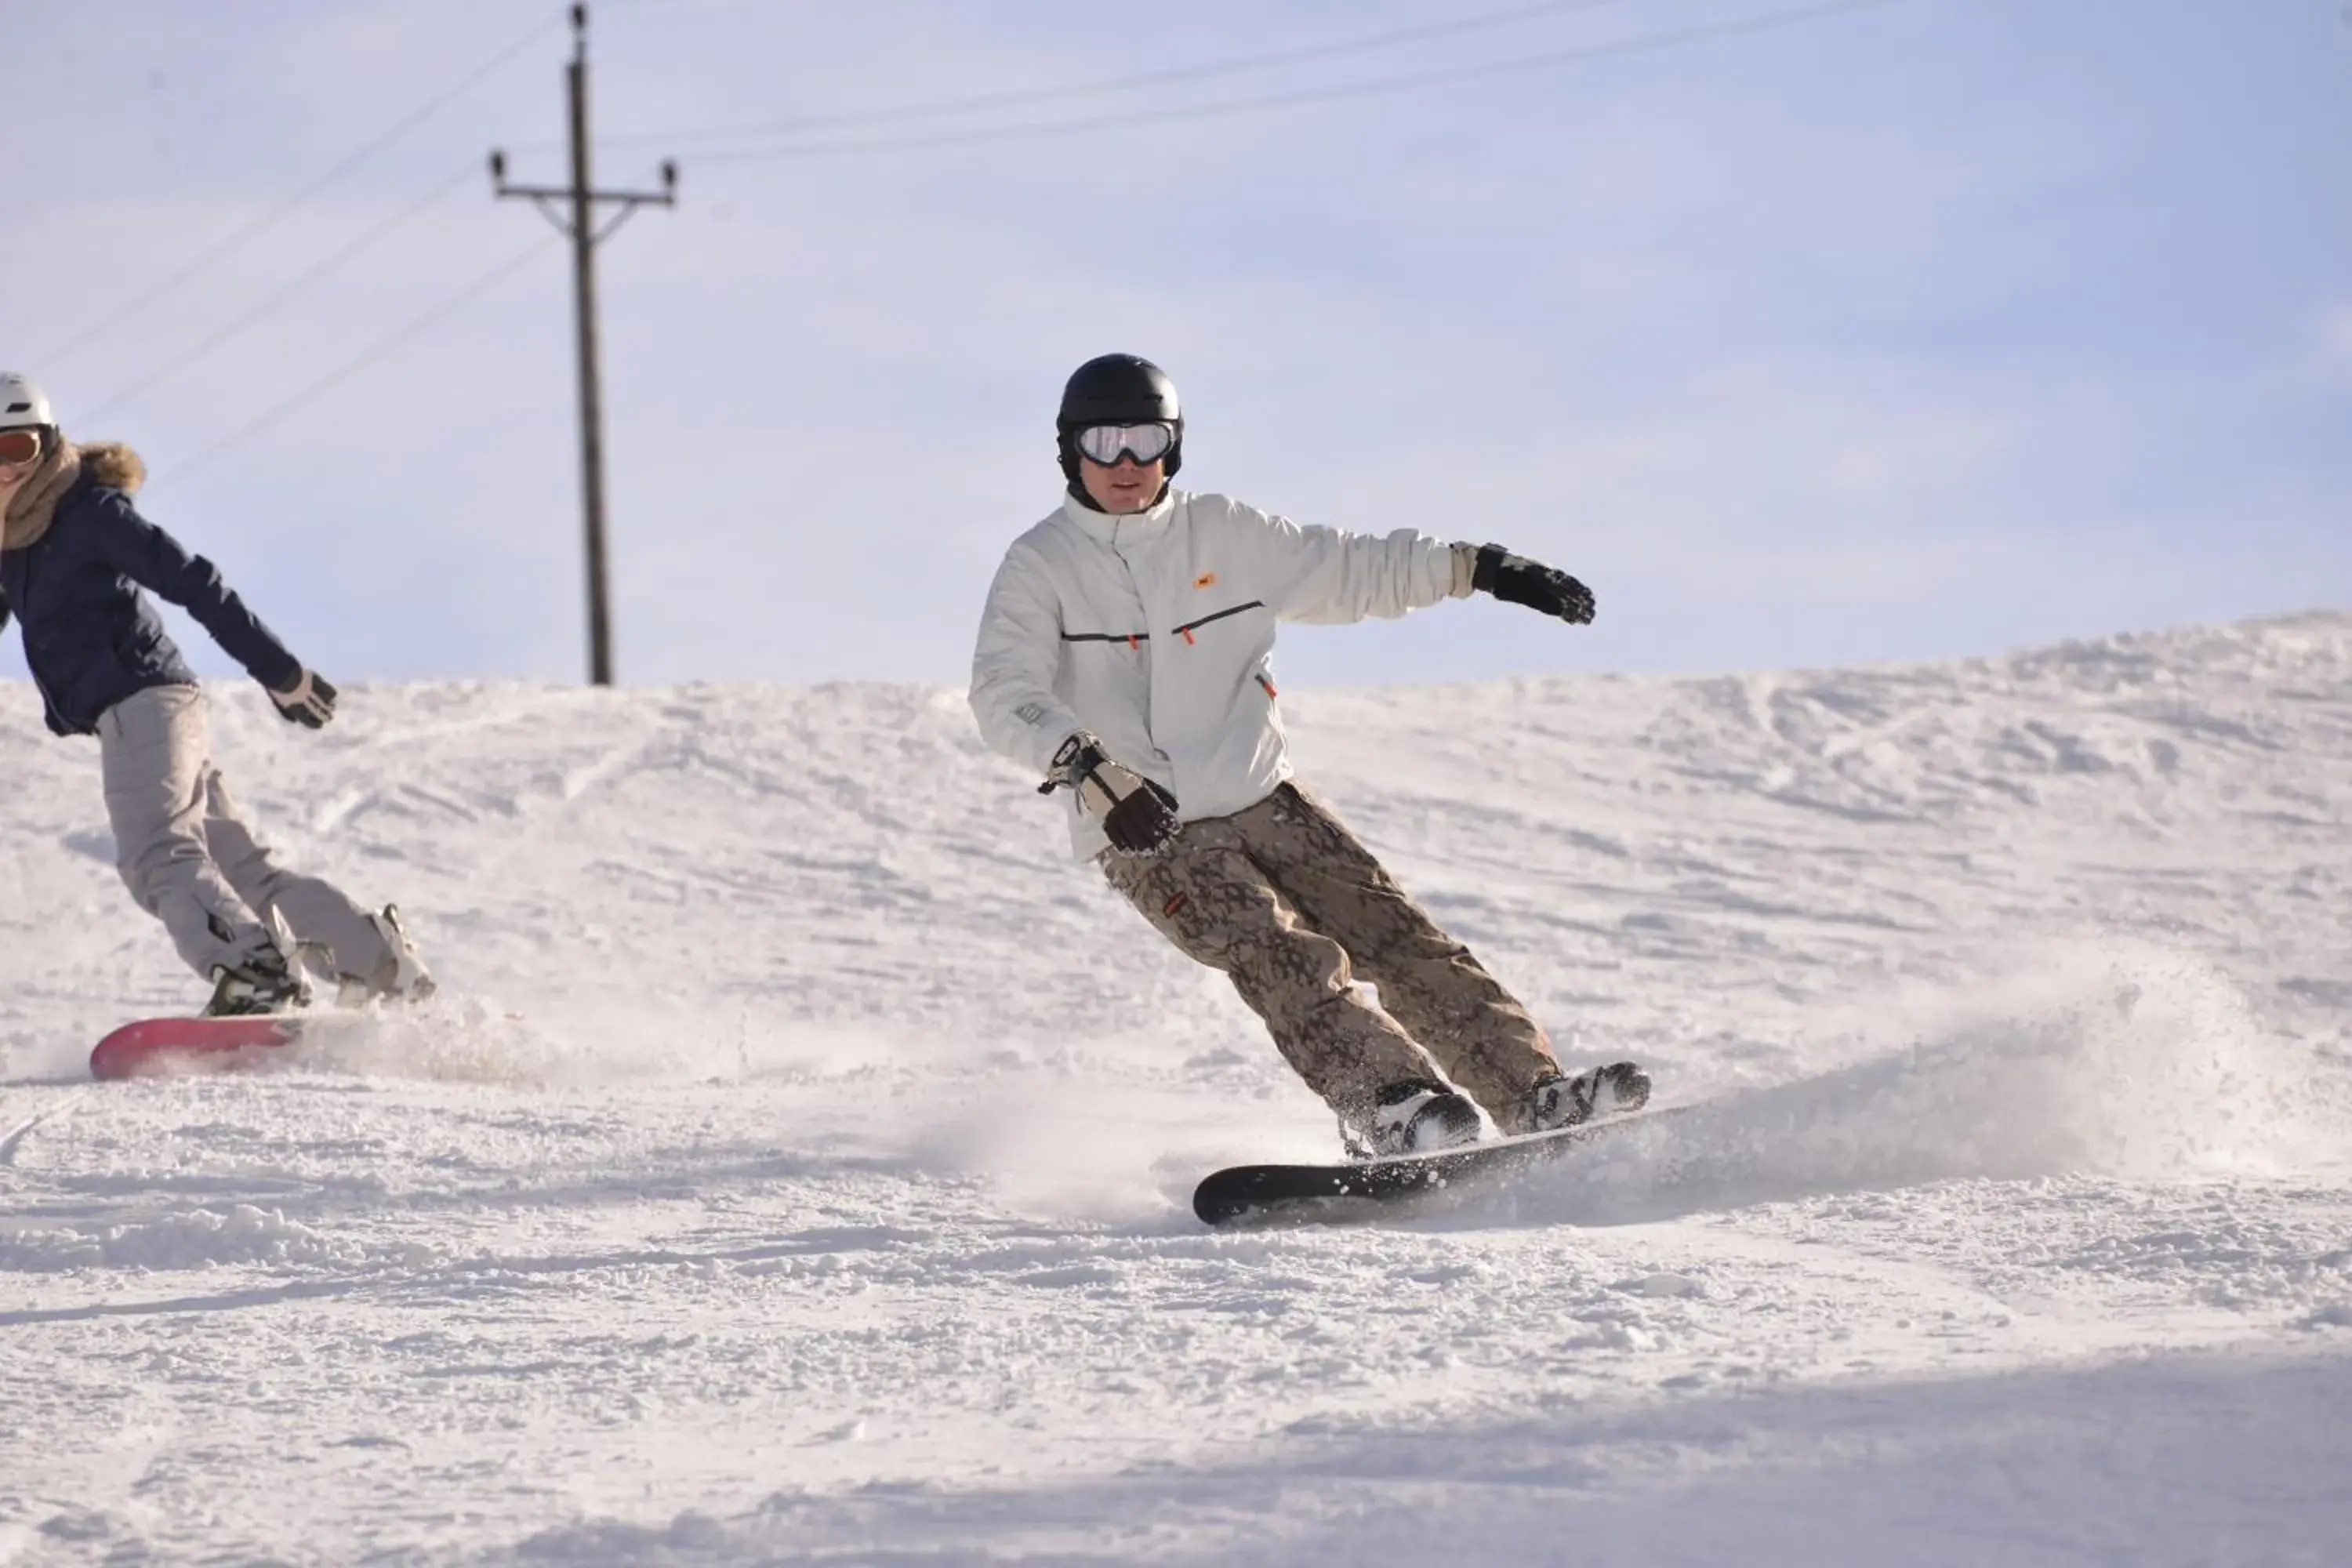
{"x": 159, "y": 1046}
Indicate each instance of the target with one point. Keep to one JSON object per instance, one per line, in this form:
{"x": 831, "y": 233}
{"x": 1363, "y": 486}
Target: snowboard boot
{"x": 1413, "y": 1117}
{"x": 1555, "y": 1102}
{"x": 400, "y": 976}
{"x": 262, "y": 984}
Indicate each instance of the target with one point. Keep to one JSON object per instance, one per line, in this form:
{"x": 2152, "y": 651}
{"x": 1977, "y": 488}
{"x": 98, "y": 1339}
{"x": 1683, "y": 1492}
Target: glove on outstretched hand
{"x": 309, "y": 701}
{"x": 1516, "y": 580}
{"x": 1138, "y": 816}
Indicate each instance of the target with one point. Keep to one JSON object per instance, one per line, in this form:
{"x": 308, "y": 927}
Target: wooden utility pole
{"x": 582, "y": 228}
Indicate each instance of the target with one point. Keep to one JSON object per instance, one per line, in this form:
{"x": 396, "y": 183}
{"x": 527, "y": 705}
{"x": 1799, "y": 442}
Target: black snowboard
{"x": 1368, "y": 1189}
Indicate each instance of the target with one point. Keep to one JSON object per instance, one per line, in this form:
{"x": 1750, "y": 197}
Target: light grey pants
{"x": 189, "y": 859}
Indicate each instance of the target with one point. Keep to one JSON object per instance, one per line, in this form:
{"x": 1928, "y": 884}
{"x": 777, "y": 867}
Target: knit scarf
{"x": 35, "y": 504}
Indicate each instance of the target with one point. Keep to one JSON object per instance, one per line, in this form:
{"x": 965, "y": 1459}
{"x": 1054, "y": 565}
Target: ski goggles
{"x": 1144, "y": 443}
{"x": 18, "y": 448}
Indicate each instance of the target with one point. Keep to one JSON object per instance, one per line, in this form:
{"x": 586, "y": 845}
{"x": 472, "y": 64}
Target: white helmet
{"x": 21, "y": 402}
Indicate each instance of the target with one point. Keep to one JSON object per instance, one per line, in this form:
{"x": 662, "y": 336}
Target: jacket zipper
{"x": 1189, "y": 627}
{"x": 1132, "y": 639}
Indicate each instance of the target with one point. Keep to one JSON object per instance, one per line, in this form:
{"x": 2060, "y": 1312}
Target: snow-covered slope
{"x": 796, "y": 1164}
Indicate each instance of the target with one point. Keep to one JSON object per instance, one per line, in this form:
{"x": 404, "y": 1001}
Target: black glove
{"x": 1516, "y": 580}
{"x": 309, "y": 701}
{"x": 1138, "y": 816}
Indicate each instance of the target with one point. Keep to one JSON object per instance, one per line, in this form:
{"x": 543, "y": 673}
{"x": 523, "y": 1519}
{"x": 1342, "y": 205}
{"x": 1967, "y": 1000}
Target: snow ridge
{"x": 796, "y": 1165}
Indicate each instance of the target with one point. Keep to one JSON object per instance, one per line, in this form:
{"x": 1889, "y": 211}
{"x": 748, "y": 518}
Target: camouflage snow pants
{"x": 1284, "y": 901}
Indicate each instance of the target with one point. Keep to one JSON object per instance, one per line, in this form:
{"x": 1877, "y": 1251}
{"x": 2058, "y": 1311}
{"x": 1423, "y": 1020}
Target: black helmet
{"x": 1117, "y": 389}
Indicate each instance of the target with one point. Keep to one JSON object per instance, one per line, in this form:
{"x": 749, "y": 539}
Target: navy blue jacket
{"x": 91, "y": 635}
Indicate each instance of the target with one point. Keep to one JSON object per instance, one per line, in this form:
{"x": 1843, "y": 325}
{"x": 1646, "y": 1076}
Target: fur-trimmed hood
{"x": 110, "y": 465}
{"x": 114, "y": 466}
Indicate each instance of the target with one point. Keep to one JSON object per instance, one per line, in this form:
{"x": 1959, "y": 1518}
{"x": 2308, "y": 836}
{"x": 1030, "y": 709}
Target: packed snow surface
{"x": 795, "y": 1167}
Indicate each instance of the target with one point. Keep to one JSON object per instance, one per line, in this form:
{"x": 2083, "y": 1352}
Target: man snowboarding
{"x": 74, "y": 557}
{"x": 1125, "y": 653}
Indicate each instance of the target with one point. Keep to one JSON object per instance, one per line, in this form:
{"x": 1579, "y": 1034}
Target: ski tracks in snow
{"x": 14, "y": 1139}
{"x": 826, "y": 1198}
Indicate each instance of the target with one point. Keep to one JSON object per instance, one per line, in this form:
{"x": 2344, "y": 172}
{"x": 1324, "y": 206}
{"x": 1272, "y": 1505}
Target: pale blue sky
{"x": 1929, "y": 329}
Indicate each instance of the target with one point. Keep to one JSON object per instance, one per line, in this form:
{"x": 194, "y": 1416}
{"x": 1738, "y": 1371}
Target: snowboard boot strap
{"x": 1557, "y": 1102}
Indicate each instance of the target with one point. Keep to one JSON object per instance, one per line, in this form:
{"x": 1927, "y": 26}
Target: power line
{"x": 434, "y": 317}
{"x": 141, "y": 385}
{"x": 293, "y": 204}
{"x": 1770, "y": 21}
{"x": 1202, "y": 72}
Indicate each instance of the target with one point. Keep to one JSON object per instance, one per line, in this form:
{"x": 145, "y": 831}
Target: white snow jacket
{"x": 1155, "y": 631}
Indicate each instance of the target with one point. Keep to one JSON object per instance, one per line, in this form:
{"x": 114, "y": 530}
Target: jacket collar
{"x": 1132, "y": 526}
{"x": 104, "y": 464}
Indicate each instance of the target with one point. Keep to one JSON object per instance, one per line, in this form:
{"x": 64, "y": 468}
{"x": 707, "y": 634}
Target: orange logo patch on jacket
{"x": 1205, "y": 580}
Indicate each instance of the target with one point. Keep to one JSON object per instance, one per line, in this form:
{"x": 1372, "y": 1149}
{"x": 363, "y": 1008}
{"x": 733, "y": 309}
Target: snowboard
{"x": 161, "y": 1046}
{"x": 1360, "y": 1190}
